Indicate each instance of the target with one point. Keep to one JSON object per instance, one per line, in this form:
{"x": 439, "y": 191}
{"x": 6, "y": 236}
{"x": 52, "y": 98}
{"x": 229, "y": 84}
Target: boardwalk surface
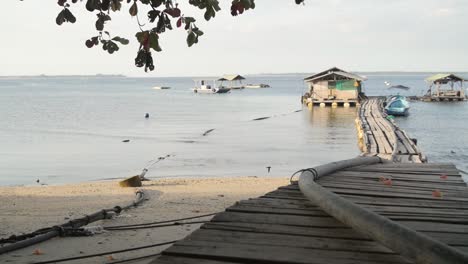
{"x": 383, "y": 138}
{"x": 284, "y": 227}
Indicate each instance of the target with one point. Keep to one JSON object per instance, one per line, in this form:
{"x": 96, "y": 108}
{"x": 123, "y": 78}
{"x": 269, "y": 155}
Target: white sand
{"x": 25, "y": 209}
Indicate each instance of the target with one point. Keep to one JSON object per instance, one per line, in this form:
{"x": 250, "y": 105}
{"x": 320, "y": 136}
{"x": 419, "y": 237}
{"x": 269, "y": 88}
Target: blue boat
{"x": 397, "y": 105}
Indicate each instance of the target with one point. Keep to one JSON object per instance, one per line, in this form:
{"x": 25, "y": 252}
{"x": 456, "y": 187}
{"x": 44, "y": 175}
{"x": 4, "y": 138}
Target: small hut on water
{"x": 445, "y": 87}
{"x": 235, "y": 81}
{"x": 334, "y": 87}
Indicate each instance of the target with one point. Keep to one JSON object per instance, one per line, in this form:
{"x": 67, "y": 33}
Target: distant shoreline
{"x": 245, "y": 74}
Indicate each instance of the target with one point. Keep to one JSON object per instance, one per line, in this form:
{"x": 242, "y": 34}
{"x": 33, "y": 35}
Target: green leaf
{"x": 142, "y": 37}
{"x": 191, "y": 39}
{"x": 122, "y": 41}
{"x": 189, "y": 19}
{"x": 154, "y": 42}
{"x": 134, "y": 9}
{"x": 92, "y": 5}
{"x": 115, "y": 5}
{"x": 60, "y": 18}
{"x": 198, "y": 31}
{"x": 69, "y": 16}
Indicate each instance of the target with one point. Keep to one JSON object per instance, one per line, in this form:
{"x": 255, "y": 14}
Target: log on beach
{"x": 134, "y": 181}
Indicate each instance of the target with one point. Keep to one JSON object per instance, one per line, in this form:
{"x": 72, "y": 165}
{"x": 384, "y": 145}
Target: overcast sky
{"x": 276, "y": 37}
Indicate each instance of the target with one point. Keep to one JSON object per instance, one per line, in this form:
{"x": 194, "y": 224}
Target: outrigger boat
{"x": 202, "y": 87}
{"x": 397, "y": 105}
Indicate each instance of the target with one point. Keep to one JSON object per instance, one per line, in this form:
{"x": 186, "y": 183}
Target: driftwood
{"x": 134, "y": 181}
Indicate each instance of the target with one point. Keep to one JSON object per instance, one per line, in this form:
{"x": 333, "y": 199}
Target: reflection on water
{"x": 332, "y": 117}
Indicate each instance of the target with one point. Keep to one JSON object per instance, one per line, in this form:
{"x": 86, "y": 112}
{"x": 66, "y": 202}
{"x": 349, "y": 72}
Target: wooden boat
{"x": 253, "y": 86}
{"x": 397, "y": 106}
{"x": 202, "y": 87}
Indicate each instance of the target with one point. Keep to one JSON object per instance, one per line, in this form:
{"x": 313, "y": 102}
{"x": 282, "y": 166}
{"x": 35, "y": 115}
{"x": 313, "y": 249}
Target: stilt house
{"x": 445, "y": 87}
{"x": 334, "y": 87}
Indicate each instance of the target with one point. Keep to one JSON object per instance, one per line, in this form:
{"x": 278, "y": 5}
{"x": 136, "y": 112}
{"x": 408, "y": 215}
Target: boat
{"x": 201, "y": 86}
{"x": 161, "y": 87}
{"x": 261, "y": 85}
{"x": 397, "y": 105}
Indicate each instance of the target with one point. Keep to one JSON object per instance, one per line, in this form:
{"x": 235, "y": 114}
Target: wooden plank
{"x": 380, "y": 201}
{"x": 418, "y": 185}
{"x": 277, "y": 219}
{"x": 396, "y": 195}
{"x": 281, "y": 254}
{"x": 187, "y": 260}
{"x": 344, "y": 232}
{"x": 275, "y": 210}
{"x": 288, "y": 241}
{"x": 382, "y": 188}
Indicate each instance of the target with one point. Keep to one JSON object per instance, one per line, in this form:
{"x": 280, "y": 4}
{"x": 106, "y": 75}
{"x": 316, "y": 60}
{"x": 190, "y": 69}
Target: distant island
{"x": 64, "y": 76}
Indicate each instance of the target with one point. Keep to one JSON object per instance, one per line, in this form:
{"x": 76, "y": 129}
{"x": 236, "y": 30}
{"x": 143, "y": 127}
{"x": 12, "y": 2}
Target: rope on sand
{"x": 44, "y": 234}
{"x": 106, "y": 253}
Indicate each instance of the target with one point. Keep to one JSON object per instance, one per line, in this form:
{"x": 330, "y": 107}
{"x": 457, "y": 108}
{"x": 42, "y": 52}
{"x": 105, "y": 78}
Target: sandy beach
{"x": 25, "y": 209}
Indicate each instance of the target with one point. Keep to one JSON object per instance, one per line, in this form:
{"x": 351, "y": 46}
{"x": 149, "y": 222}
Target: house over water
{"x": 334, "y": 87}
{"x": 445, "y": 87}
{"x": 235, "y": 81}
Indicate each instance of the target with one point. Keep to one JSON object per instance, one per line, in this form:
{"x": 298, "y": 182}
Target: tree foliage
{"x": 161, "y": 15}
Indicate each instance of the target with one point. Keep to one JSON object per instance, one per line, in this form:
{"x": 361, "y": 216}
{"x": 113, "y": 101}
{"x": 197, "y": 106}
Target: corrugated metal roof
{"x": 231, "y": 77}
{"x": 334, "y": 71}
{"x": 445, "y": 77}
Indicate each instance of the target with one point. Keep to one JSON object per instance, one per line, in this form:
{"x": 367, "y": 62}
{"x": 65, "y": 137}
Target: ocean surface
{"x": 70, "y": 129}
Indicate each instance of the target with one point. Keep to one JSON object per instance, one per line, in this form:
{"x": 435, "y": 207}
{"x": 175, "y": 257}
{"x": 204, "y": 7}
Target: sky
{"x": 278, "y": 36}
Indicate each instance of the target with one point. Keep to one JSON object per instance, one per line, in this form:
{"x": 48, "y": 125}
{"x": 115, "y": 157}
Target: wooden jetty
{"x": 389, "y": 207}
{"x": 382, "y": 137}
{"x": 284, "y": 226}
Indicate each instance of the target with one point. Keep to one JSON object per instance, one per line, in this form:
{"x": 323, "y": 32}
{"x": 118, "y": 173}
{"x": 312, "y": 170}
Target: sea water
{"x": 71, "y": 129}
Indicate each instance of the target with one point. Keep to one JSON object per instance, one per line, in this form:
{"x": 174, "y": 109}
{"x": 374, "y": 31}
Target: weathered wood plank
{"x": 187, "y": 260}
{"x": 288, "y": 241}
{"x": 282, "y": 254}
{"x": 344, "y": 232}
{"x": 294, "y": 220}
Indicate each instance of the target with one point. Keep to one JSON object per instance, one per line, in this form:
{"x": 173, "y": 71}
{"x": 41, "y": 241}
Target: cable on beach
{"x": 161, "y": 222}
{"x": 105, "y": 253}
{"x": 44, "y": 234}
{"x": 154, "y": 226}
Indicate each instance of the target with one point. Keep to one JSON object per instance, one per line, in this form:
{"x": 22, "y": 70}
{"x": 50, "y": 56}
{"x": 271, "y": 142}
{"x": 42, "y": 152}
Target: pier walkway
{"x": 283, "y": 226}
{"x": 382, "y": 137}
{"x": 394, "y": 209}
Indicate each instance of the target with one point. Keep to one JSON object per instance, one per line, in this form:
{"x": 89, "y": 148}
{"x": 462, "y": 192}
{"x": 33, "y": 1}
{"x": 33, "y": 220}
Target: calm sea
{"x": 70, "y": 129}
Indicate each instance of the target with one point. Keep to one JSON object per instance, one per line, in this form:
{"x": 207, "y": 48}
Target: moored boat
{"x": 397, "y": 106}
{"x": 202, "y": 87}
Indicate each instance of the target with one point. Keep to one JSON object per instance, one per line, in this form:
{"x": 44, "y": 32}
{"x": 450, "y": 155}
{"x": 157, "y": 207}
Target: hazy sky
{"x": 276, "y": 37}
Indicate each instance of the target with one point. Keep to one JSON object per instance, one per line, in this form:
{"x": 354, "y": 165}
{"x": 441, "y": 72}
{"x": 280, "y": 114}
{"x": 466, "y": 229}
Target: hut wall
{"x": 346, "y": 94}
{"x": 320, "y": 90}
